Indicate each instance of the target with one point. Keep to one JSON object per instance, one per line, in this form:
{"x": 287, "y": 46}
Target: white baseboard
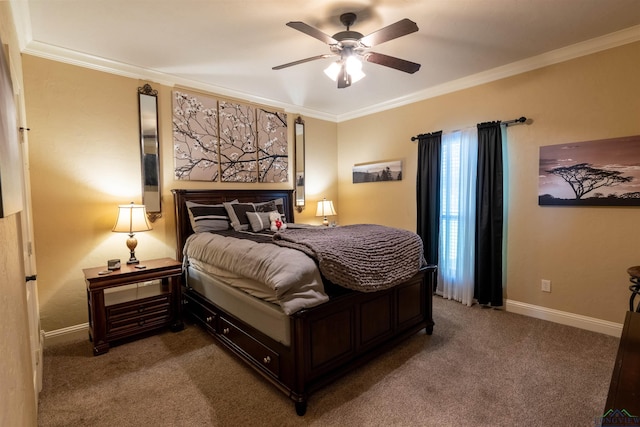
{"x": 67, "y": 335}
{"x": 565, "y": 318}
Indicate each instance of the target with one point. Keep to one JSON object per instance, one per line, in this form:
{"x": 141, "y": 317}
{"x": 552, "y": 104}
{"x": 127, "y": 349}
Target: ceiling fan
{"x": 352, "y": 45}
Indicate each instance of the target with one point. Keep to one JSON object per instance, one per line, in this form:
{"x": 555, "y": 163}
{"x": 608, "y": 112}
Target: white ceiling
{"x": 230, "y": 46}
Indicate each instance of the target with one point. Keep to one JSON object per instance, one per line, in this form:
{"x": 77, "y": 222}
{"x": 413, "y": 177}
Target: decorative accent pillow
{"x": 238, "y": 214}
{"x": 270, "y": 206}
{"x": 259, "y": 220}
{"x": 205, "y": 218}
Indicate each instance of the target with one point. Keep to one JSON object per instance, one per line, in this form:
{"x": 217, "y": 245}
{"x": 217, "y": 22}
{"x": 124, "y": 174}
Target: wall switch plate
{"x": 546, "y": 285}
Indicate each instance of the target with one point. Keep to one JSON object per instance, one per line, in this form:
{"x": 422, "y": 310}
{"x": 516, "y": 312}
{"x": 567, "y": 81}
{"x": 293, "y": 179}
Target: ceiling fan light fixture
{"x": 333, "y": 70}
{"x": 354, "y": 69}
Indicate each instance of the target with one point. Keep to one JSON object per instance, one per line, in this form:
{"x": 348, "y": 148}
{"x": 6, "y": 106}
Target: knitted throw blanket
{"x": 363, "y": 257}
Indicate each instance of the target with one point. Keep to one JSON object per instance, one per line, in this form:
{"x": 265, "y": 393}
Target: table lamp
{"x": 132, "y": 219}
{"x": 325, "y": 208}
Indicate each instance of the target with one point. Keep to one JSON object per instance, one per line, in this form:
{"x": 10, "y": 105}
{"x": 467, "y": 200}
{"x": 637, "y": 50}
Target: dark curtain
{"x": 489, "y": 216}
{"x": 428, "y": 193}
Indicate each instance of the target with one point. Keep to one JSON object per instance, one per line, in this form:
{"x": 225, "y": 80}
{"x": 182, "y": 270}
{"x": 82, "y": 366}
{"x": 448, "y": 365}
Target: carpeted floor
{"x": 481, "y": 367}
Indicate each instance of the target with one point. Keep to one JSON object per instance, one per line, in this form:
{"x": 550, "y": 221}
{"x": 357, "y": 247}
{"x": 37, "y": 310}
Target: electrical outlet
{"x": 546, "y": 285}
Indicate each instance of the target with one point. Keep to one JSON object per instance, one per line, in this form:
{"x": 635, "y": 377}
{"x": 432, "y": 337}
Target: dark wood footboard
{"x": 341, "y": 335}
{"x": 327, "y": 341}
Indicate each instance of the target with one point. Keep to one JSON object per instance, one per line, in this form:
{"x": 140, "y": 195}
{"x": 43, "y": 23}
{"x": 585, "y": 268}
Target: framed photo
{"x": 604, "y": 172}
{"x": 377, "y": 171}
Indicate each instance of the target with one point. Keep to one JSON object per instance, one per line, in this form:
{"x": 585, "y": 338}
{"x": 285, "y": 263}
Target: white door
{"x": 36, "y": 335}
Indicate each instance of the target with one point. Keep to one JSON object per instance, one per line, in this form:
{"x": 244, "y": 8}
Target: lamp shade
{"x": 352, "y": 66}
{"x": 131, "y": 219}
{"x": 325, "y": 208}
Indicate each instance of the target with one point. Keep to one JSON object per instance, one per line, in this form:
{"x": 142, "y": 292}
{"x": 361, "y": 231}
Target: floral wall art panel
{"x": 238, "y": 152}
{"x": 605, "y": 172}
{"x": 273, "y": 146}
{"x": 195, "y": 137}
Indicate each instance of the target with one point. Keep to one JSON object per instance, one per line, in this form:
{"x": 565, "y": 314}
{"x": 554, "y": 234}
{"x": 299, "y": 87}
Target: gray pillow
{"x": 259, "y": 221}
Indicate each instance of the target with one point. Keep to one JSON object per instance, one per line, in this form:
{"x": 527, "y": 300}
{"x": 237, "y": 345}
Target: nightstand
{"x": 132, "y": 301}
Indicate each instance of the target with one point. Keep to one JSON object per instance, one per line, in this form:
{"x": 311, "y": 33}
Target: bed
{"x": 313, "y": 346}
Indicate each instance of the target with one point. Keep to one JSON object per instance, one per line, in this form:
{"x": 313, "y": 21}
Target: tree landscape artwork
{"x": 591, "y": 173}
{"x": 377, "y": 172}
{"x": 217, "y": 140}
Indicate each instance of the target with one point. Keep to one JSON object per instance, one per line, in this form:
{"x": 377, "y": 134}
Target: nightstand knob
{"x": 141, "y": 322}
{"x": 225, "y": 331}
{"x": 209, "y": 319}
{"x": 140, "y": 309}
{"x": 185, "y": 301}
{"x": 267, "y": 360}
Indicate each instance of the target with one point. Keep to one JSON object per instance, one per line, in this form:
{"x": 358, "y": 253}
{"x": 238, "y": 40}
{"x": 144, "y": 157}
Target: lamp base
{"x": 132, "y": 242}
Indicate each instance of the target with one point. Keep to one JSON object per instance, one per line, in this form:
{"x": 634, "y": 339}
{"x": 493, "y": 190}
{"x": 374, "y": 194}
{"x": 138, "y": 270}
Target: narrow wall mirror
{"x": 150, "y": 151}
{"x": 299, "y": 141}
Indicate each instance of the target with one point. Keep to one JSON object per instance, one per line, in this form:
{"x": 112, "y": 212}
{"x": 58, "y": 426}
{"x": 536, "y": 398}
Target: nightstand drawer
{"x": 138, "y": 316}
{"x": 134, "y": 308}
{"x": 267, "y": 358}
{"x": 128, "y": 325}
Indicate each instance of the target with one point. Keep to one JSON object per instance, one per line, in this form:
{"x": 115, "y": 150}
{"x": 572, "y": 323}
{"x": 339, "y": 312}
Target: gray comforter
{"x": 291, "y": 275}
{"x": 363, "y": 257}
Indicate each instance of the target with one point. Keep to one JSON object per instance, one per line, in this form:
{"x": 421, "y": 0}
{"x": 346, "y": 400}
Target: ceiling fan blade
{"x": 302, "y": 61}
{"x": 390, "y": 32}
{"x": 390, "y": 61}
{"x": 344, "y": 80}
{"x": 311, "y": 31}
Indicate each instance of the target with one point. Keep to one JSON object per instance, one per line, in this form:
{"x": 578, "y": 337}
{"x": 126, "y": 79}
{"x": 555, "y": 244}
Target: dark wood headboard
{"x": 180, "y": 196}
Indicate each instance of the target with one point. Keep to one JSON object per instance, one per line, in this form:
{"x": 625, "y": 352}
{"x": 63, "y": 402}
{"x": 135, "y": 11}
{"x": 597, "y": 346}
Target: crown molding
{"x": 609, "y": 41}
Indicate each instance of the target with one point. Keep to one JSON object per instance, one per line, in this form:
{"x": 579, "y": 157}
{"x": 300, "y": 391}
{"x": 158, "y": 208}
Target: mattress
{"x": 266, "y": 317}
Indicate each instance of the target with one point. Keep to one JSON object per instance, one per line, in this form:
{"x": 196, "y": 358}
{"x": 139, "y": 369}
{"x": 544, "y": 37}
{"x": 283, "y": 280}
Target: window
{"x": 457, "y": 215}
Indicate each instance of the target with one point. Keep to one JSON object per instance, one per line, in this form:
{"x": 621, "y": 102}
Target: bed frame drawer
{"x": 239, "y": 340}
{"x": 200, "y": 312}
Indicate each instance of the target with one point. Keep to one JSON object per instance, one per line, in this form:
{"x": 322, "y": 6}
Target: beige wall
{"x": 18, "y": 404}
{"x": 85, "y": 160}
{"x": 584, "y": 251}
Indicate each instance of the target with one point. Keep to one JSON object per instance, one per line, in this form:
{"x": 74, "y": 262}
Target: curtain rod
{"x": 506, "y": 123}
